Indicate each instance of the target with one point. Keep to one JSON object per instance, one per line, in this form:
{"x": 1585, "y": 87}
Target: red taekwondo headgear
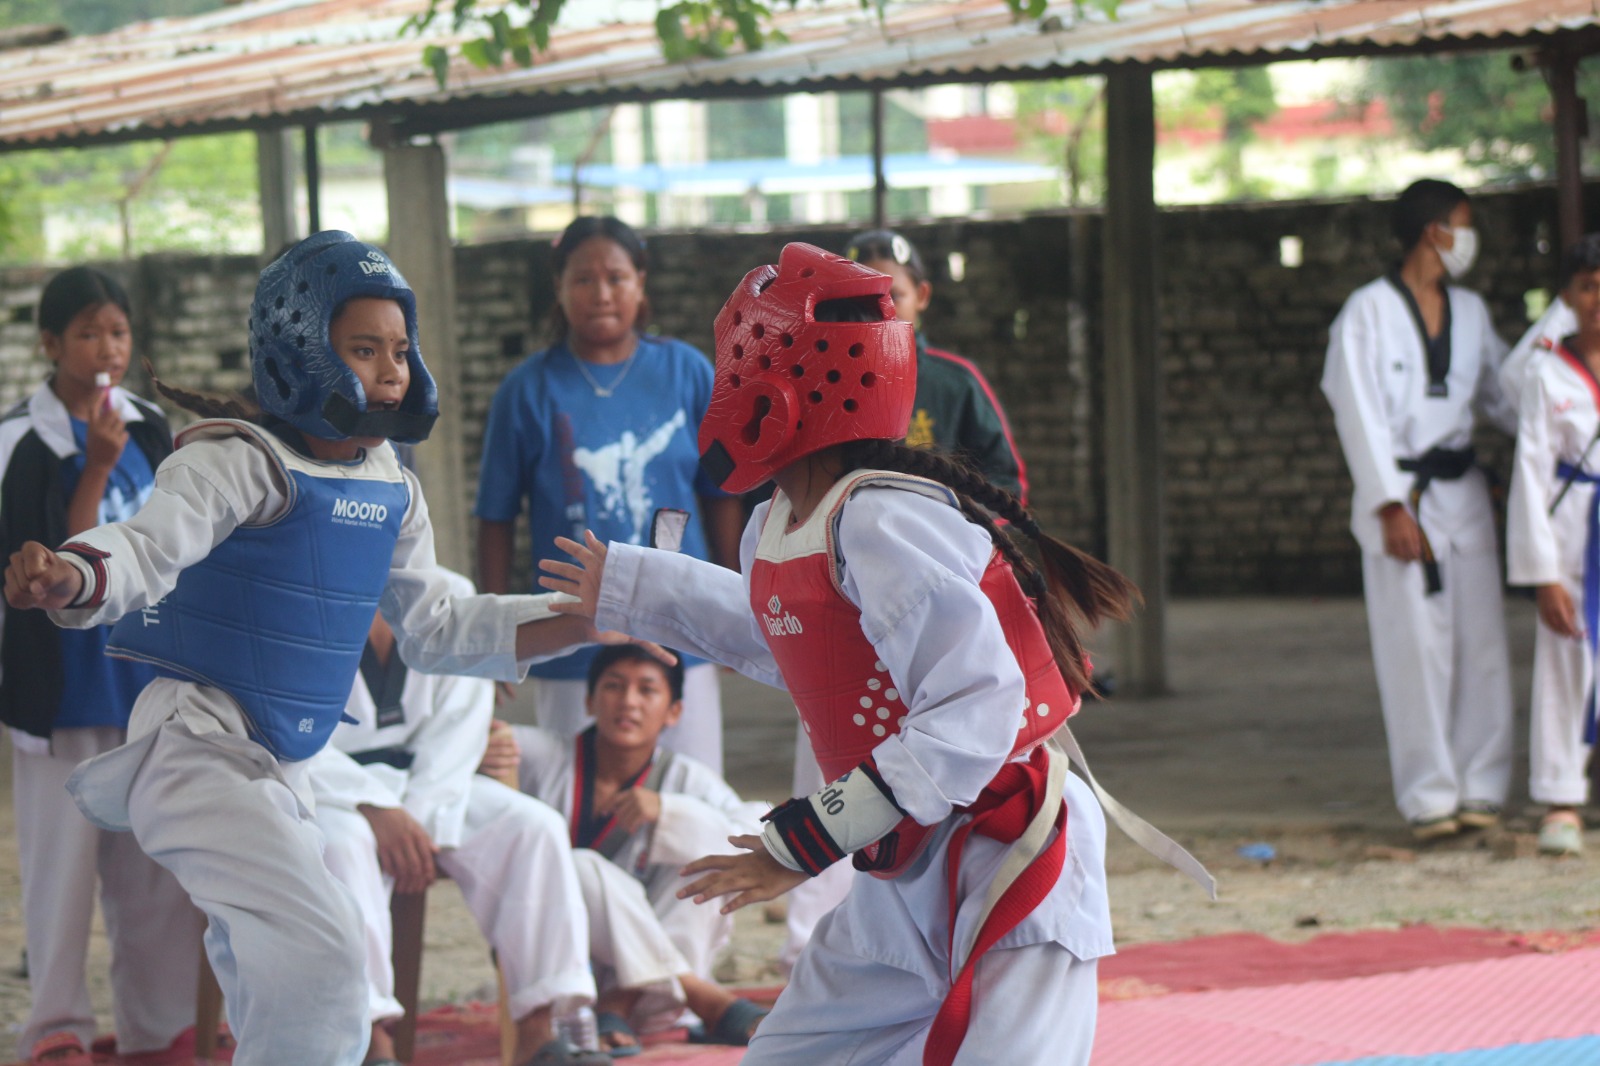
{"x": 788, "y": 385}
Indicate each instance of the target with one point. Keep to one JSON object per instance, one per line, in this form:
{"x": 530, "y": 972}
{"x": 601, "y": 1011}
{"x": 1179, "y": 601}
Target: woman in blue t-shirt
{"x": 78, "y": 452}
{"x": 598, "y": 431}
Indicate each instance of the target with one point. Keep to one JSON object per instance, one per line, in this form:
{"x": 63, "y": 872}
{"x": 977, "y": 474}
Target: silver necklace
{"x": 602, "y": 390}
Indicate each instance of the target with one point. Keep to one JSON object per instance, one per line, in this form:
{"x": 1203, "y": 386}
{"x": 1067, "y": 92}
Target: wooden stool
{"x": 408, "y": 913}
{"x": 207, "y": 1011}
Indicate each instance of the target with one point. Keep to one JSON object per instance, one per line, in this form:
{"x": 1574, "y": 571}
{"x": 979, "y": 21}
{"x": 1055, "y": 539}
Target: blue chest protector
{"x": 276, "y": 616}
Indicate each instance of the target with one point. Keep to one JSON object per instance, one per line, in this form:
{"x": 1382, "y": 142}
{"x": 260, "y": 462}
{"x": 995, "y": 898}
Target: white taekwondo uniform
{"x": 867, "y": 986}
{"x": 1442, "y": 662}
{"x": 1539, "y": 340}
{"x": 1559, "y": 423}
{"x": 642, "y": 936}
{"x": 216, "y": 808}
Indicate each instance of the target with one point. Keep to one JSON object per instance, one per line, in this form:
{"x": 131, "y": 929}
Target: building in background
{"x": 1287, "y": 131}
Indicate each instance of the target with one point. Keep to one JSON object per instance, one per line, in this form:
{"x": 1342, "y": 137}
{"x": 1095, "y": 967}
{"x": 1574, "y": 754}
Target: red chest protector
{"x": 846, "y": 698}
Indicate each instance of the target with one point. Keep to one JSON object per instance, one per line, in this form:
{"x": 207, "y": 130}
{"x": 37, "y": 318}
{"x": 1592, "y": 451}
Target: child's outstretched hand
{"x": 754, "y": 874}
{"x": 38, "y": 577}
{"x": 581, "y": 579}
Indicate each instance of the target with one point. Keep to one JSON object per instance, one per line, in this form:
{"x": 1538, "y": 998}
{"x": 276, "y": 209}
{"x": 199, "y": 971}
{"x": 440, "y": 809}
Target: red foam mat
{"x": 1490, "y": 1003}
{"x": 1241, "y": 998}
{"x": 1249, "y": 960}
{"x": 462, "y": 1035}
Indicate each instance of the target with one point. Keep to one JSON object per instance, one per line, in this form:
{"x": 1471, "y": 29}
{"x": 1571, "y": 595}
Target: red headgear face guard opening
{"x": 788, "y": 385}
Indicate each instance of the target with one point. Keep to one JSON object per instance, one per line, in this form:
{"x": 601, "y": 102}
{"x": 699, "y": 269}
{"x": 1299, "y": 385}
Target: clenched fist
{"x": 38, "y": 577}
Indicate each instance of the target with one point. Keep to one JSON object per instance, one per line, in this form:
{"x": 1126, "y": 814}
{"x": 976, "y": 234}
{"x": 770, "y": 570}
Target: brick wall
{"x": 1258, "y": 496}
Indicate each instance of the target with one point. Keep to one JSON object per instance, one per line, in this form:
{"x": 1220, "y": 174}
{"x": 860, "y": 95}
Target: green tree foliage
{"x": 193, "y": 194}
{"x": 127, "y": 198}
{"x": 96, "y": 16}
{"x": 1065, "y": 122}
{"x": 518, "y": 30}
{"x": 1240, "y": 100}
{"x": 1498, "y": 116}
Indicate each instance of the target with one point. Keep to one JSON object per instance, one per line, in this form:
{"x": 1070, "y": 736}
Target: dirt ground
{"x": 1270, "y": 736}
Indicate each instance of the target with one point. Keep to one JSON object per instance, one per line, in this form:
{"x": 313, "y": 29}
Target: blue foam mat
{"x": 1580, "y": 1051}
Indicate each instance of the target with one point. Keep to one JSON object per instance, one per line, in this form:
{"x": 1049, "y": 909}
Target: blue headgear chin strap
{"x": 297, "y": 375}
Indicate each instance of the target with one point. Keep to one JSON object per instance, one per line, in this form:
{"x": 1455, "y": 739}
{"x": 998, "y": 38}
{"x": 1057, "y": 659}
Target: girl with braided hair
{"x": 929, "y": 660}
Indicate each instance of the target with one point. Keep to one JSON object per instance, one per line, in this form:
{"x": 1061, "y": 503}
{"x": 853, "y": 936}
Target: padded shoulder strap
{"x": 851, "y": 484}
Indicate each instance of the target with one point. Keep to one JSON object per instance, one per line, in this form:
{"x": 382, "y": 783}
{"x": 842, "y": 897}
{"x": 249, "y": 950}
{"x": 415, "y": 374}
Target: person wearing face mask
{"x": 1412, "y": 361}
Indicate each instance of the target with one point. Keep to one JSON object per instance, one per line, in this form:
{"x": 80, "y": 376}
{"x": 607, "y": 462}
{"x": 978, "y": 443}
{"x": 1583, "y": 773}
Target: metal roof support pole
{"x": 1561, "y": 71}
{"x": 1136, "y": 535}
{"x": 313, "y": 180}
{"x": 880, "y": 183}
{"x": 280, "y": 223}
{"x": 419, "y": 243}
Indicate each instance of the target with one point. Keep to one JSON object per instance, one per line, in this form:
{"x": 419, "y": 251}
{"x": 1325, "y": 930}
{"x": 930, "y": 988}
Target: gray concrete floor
{"x": 1272, "y": 719}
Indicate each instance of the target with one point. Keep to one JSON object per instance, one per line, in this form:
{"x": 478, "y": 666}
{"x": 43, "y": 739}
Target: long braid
{"x": 1072, "y": 581}
{"x": 204, "y": 405}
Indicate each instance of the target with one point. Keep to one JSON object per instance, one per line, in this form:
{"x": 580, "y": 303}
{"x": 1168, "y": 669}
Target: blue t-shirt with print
{"x": 96, "y": 689}
{"x": 584, "y": 460}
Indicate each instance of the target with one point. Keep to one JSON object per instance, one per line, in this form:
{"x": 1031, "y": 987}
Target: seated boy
{"x": 636, "y": 814}
{"x": 398, "y": 799}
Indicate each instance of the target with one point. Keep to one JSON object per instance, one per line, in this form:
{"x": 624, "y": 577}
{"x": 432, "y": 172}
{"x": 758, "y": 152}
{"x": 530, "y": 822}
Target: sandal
{"x": 59, "y": 1049}
{"x": 1437, "y": 828}
{"x": 1561, "y": 833}
{"x": 561, "y": 1053}
{"x": 735, "y": 1027}
{"x": 610, "y": 1023}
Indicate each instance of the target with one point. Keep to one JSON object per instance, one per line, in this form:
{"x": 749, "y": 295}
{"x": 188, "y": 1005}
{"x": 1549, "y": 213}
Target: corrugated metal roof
{"x": 281, "y": 62}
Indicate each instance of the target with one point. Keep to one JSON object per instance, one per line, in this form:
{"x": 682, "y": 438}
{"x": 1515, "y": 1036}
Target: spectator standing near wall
{"x": 1410, "y": 359}
{"x": 955, "y": 409}
{"x": 80, "y": 451}
{"x": 1548, "y": 535}
{"x": 597, "y": 431}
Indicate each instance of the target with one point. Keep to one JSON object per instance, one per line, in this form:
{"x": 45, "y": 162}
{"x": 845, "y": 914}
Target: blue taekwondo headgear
{"x": 297, "y": 375}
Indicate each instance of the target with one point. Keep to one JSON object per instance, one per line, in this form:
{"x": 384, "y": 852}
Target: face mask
{"x": 1458, "y": 258}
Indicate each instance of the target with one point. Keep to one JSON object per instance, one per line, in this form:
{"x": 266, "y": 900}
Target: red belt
{"x": 1002, "y": 812}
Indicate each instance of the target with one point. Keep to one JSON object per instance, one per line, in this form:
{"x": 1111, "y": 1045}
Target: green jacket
{"x": 956, "y": 411}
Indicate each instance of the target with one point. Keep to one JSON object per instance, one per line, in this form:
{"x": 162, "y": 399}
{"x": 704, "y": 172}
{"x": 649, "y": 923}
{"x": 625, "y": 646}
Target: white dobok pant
{"x": 1562, "y": 672}
{"x": 515, "y": 873}
{"x": 218, "y": 811}
{"x": 870, "y": 982}
{"x": 153, "y": 928}
{"x": 1444, "y": 679}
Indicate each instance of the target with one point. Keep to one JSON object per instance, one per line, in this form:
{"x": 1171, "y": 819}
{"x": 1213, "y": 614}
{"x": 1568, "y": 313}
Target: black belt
{"x": 1443, "y": 464}
{"x": 1436, "y": 464}
{"x": 399, "y": 758}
